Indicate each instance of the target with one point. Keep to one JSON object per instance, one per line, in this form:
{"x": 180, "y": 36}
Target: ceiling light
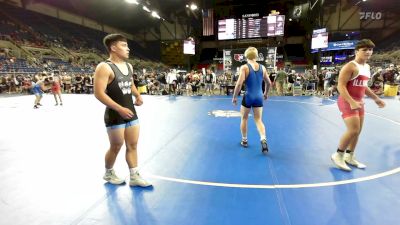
{"x": 193, "y": 6}
{"x": 146, "y": 9}
{"x": 132, "y": 2}
{"x": 155, "y": 14}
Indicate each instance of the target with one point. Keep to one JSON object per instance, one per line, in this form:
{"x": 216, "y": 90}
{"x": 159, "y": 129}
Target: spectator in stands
{"x": 332, "y": 90}
{"x": 180, "y": 85}
{"x": 196, "y": 83}
{"x": 272, "y": 76}
{"x": 12, "y": 84}
{"x": 188, "y": 84}
{"x": 171, "y": 80}
{"x": 209, "y": 78}
{"x": 280, "y": 81}
{"x": 320, "y": 84}
{"x": 78, "y": 83}
{"x": 377, "y": 87}
{"x": 27, "y": 84}
{"x": 19, "y": 79}
{"x": 3, "y": 84}
{"x": 327, "y": 81}
{"x": 311, "y": 80}
{"x": 389, "y": 75}
{"x": 67, "y": 83}
{"x": 290, "y": 80}
{"x": 88, "y": 84}
{"x": 222, "y": 81}
{"x": 154, "y": 87}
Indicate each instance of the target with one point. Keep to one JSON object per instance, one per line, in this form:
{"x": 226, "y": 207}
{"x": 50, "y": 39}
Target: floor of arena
{"x": 52, "y": 163}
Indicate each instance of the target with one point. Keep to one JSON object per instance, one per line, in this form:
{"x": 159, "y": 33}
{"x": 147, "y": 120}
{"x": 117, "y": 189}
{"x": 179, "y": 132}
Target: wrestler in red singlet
{"x": 352, "y": 86}
{"x": 55, "y": 88}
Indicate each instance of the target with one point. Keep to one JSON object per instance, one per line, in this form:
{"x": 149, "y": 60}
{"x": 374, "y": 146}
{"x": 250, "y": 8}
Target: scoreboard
{"x": 267, "y": 26}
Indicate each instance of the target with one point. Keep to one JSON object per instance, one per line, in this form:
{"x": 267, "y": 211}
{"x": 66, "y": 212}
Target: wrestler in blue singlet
{"x": 37, "y": 90}
{"x": 254, "y": 93}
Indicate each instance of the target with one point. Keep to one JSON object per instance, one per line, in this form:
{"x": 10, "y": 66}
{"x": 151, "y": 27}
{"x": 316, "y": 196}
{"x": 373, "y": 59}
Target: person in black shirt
{"x": 113, "y": 86}
{"x": 290, "y": 79}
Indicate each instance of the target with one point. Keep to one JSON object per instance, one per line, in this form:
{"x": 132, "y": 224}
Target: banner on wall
{"x": 338, "y": 45}
{"x": 266, "y": 57}
{"x": 227, "y": 60}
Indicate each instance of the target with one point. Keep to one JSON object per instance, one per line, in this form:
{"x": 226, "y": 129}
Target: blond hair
{"x": 251, "y": 53}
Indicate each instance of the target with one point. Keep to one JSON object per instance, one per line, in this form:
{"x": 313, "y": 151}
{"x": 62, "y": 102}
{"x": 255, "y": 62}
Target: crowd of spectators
{"x": 324, "y": 82}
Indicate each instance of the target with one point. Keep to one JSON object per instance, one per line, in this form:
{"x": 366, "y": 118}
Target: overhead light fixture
{"x": 193, "y": 6}
{"x": 155, "y": 14}
{"x": 132, "y": 2}
{"x": 146, "y": 9}
{"x": 360, "y": 1}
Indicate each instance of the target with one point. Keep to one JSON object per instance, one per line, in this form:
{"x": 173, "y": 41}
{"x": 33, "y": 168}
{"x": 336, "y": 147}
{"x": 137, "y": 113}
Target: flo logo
{"x": 370, "y": 15}
{"x": 225, "y": 113}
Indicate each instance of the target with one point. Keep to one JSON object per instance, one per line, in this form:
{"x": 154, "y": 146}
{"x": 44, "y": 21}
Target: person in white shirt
{"x": 171, "y": 80}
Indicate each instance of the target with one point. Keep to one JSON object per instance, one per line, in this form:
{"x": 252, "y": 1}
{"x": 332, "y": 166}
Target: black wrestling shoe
{"x": 264, "y": 146}
{"x": 244, "y": 143}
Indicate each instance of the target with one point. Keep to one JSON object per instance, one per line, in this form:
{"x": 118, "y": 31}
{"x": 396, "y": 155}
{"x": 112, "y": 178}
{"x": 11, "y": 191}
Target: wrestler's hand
{"x": 125, "y": 113}
{"x": 139, "y": 101}
{"x": 265, "y": 96}
{"x": 380, "y": 103}
{"x": 234, "y": 101}
{"x": 356, "y": 105}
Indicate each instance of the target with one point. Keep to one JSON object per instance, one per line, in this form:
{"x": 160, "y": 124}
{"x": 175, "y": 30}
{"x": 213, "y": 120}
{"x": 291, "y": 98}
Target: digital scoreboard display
{"x": 267, "y": 26}
{"x": 319, "y": 39}
{"x": 189, "y": 47}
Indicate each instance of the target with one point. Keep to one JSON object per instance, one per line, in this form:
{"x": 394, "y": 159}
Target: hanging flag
{"x": 208, "y": 22}
{"x": 300, "y": 11}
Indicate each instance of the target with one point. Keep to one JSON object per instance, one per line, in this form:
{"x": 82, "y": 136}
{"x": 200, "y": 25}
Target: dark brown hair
{"x": 112, "y": 39}
{"x": 365, "y": 43}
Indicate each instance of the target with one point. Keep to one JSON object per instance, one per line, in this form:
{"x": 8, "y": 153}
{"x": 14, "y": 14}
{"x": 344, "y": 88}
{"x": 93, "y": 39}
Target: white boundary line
{"x": 384, "y": 118}
{"x": 276, "y": 186}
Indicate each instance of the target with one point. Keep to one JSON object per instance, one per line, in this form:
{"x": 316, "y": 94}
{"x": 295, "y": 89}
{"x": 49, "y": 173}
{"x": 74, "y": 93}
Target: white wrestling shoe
{"x": 349, "y": 158}
{"x": 112, "y": 178}
{"x": 338, "y": 160}
{"x": 137, "y": 180}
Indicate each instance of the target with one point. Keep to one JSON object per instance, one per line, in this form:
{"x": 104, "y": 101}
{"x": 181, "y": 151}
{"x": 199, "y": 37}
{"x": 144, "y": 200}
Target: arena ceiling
{"x": 120, "y": 14}
{"x": 133, "y": 19}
